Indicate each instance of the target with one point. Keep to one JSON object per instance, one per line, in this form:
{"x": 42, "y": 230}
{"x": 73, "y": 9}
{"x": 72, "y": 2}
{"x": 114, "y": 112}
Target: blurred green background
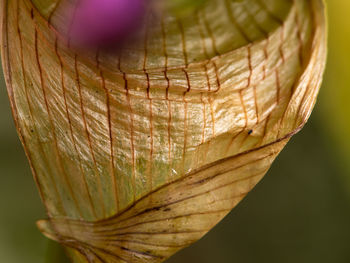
{"x": 299, "y": 213}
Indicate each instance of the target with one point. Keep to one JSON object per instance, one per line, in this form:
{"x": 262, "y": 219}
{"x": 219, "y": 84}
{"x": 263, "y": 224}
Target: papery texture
{"x": 140, "y": 152}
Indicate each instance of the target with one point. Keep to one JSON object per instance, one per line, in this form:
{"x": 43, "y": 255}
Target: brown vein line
{"x": 14, "y": 106}
{"x": 235, "y": 22}
{"x": 278, "y": 86}
{"x": 217, "y": 77}
{"x": 106, "y": 252}
{"x": 64, "y": 92}
{"x": 266, "y": 125}
{"x": 167, "y": 92}
{"x": 126, "y": 249}
{"x": 207, "y": 179}
{"x": 144, "y": 243}
{"x": 199, "y": 182}
{"x": 113, "y": 254}
{"x": 59, "y": 160}
{"x": 91, "y": 248}
{"x": 131, "y": 126}
{"x": 114, "y": 232}
{"x": 204, "y": 118}
{"x": 210, "y": 33}
{"x": 94, "y": 255}
{"x": 169, "y": 118}
{"x": 266, "y": 57}
{"x": 77, "y": 76}
{"x": 164, "y": 233}
{"x": 53, "y": 11}
{"x": 244, "y": 109}
{"x": 165, "y": 53}
{"x": 186, "y": 117}
{"x": 188, "y": 83}
{"x": 85, "y": 252}
{"x": 183, "y": 40}
{"x": 110, "y": 133}
{"x": 151, "y": 133}
{"x": 150, "y": 107}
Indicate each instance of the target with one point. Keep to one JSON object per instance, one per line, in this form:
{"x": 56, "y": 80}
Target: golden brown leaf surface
{"x": 140, "y": 153}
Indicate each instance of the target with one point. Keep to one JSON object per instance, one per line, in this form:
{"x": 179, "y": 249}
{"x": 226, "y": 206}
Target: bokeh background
{"x": 300, "y": 212}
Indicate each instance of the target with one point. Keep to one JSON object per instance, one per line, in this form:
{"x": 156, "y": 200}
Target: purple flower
{"x": 105, "y": 22}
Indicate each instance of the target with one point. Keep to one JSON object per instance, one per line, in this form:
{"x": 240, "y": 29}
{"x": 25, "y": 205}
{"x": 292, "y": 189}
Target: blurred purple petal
{"x": 105, "y": 22}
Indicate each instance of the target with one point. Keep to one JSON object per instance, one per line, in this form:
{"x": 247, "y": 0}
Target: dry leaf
{"x": 140, "y": 153}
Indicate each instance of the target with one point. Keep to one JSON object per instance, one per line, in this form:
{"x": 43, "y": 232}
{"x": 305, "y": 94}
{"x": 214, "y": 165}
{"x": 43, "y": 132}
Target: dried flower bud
{"x": 139, "y": 153}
